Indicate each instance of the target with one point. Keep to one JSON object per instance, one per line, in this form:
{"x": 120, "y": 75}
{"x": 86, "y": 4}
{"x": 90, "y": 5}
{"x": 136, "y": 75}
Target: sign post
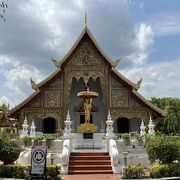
{"x": 38, "y": 163}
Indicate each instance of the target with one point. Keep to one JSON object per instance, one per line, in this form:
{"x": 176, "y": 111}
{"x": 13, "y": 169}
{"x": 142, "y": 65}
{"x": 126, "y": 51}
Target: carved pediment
{"x": 52, "y": 98}
{"x": 87, "y": 55}
{"x": 119, "y": 98}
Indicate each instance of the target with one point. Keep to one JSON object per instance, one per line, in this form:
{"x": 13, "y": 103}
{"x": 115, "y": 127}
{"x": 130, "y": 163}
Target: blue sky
{"x": 144, "y": 33}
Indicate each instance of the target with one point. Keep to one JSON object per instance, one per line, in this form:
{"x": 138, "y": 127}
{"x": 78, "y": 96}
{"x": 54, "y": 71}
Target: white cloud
{"x": 16, "y": 78}
{"x": 20, "y": 76}
{"x": 144, "y": 37}
{"x": 165, "y": 24}
{"x": 142, "y": 45}
{"x": 3, "y": 61}
{"x": 160, "y": 79}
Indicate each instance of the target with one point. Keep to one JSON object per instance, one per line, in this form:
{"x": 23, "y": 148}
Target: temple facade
{"x": 85, "y": 63}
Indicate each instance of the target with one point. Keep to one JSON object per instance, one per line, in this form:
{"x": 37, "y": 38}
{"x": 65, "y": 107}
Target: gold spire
{"x": 85, "y": 18}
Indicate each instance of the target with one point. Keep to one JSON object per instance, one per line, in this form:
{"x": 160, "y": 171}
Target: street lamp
{"x": 125, "y": 155}
{"x": 52, "y": 157}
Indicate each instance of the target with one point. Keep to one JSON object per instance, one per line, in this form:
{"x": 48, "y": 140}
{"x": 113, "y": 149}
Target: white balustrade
{"x": 114, "y": 155}
{"x": 66, "y": 150}
{"x": 113, "y": 151}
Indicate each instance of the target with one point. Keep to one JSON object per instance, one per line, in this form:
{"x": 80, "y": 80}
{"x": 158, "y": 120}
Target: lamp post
{"x": 52, "y": 157}
{"x": 125, "y": 155}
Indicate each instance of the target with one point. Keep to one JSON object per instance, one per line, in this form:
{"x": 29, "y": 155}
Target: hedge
{"x": 133, "y": 172}
{"x": 22, "y": 171}
{"x": 164, "y": 170}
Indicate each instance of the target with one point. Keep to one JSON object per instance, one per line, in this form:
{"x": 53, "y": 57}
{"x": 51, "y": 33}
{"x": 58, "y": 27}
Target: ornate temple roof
{"x": 111, "y": 63}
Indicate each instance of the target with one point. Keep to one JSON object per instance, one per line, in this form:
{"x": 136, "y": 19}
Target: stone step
{"x": 89, "y": 154}
{"x": 90, "y": 162}
{"x": 90, "y": 172}
{"x": 90, "y": 167}
{"x": 90, "y": 157}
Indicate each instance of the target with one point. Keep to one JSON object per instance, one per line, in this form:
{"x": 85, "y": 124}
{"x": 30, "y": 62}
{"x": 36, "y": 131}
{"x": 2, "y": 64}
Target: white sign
{"x": 38, "y": 161}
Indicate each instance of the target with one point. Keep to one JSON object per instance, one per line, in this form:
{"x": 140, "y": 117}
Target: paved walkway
{"x": 92, "y": 177}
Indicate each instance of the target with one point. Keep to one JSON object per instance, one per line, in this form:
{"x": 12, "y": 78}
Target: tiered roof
{"x": 115, "y": 71}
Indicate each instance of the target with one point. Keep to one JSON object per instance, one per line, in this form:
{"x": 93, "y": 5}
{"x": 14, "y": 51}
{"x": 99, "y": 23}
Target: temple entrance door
{"x": 122, "y": 125}
{"x": 49, "y": 126}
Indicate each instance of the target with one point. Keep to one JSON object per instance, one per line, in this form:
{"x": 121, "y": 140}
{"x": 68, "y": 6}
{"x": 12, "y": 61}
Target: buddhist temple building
{"x": 85, "y": 63}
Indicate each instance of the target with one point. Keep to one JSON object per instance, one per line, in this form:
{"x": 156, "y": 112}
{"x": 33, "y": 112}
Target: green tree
{"x": 164, "y": 148}
{"x": 3, "y": 7}
{"x": 9, "y": 149}
{"x": 170, "y": 123}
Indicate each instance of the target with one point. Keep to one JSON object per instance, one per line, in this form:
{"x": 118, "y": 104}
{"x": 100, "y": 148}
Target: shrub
{"x": 133, "y": 172}
{"x": 38, "y": 138}
{"x": 126, "y": 137}
{"x": 164, "y": 170}
{"x": 137, "y": 137}
{"x": 21, "y": 171}
{"x": 49, "y": 137}
{"x": 14, "y": 171}
{"x": 166, "y": 149}
{"x": 9, "y": 149}
{"x": 27, "y": 140}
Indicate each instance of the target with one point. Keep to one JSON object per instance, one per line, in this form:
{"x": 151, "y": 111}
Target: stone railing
{"x": 66, "y": 150}
{"x": 114, "y": 155}
{"x": 113, "y": 152}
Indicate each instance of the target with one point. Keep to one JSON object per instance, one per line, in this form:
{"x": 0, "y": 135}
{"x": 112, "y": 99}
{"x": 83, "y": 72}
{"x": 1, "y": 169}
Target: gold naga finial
{"x": 33, "y": 84}
{"x": 85, "y": 18}
{"x": 55, "y": 62}
{"x": 138, "y": 84}
{"x": 116, "y": 62}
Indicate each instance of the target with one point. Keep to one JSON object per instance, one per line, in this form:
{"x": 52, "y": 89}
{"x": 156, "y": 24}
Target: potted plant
{"x": 38, "y": 140}
{"x": 139, "y": 139}
{"x": 49, "y": 139}
{"x": 126, "y": 139}
{"x": 27, "y": 140}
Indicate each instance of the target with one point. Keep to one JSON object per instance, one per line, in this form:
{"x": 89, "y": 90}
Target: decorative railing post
{"x": 142, "y": 129}
{"x": 67, "y": 130}
{"x": 151, "y": 126}
{"x": 66, "y": 150}
{"x": 25, "y": 128}
{"x": 32, "y": 129}
{"x": 109, "y": 131}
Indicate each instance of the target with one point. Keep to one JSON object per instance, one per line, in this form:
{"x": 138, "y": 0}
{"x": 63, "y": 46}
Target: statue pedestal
{"x": 87, "y": 135}
{"x": 87, "y": 128}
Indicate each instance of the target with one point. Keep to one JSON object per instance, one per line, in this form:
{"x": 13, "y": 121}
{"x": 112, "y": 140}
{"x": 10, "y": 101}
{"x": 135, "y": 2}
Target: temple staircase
{"x": 89, "y": 163}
